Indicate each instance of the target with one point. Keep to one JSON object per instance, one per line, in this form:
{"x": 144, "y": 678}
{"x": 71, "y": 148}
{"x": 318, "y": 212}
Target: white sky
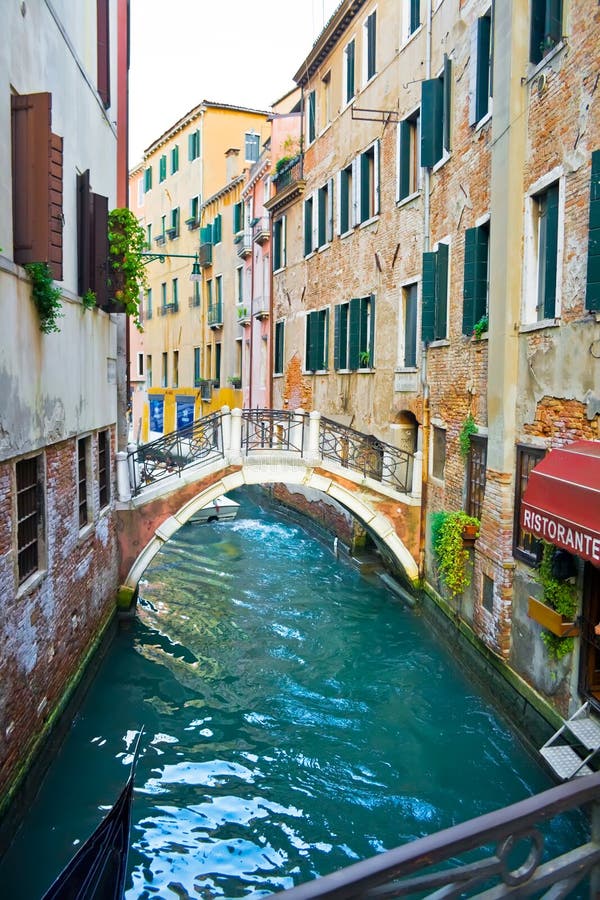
{"x": 243, "y": 52}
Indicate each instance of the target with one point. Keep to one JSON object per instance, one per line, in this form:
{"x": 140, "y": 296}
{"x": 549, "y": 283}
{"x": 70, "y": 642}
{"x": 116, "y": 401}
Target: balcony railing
{"x": 261, "y": 230}
{"x": 244, "y": 246}
{"x": 260, "y": 307}
{"x": 215, "y": 315}
{"x": 288, "y": 174}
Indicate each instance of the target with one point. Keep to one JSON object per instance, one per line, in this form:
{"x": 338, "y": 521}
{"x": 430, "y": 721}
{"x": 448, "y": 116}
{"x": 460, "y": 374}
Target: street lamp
{"x": 160, "y": 257}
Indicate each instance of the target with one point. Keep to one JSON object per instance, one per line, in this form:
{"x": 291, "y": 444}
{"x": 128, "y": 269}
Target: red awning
{"x": 561, "y": 503}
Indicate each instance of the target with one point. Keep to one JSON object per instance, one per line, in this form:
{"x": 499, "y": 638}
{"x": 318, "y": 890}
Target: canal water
{"x": 297, "y": 718}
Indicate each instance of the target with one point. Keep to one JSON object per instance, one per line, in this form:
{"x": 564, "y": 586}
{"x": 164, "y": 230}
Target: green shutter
{"x": 312, "y": 105}
{"x": 550, "y": 260}
{"x": 404, "y": 161}
{"x": 321, "y": 351}
{"x": 344, "y": 205}
{"x": 279, "y": 326}
{"x": 350, "y": 72}
{"x": 415, "y": 15}
{"x": 481, "y": 274}
{"x": 216, "y": 230}
{"x": 410, "y": 327}
{"x": 322, "y": 236}
{"x": 538, "y": 22}
{"x": 441, "y": 292}
{"x": 431, "y": 121}
{"x": 592, "y": 295}
{"x": 311, "y": 342}
{"x": 308, "y": 214}
{"x": 469, "y": 283}
{"x": 162, "y": 168}
{"x": 206, "y": 235}
{"x": 447, "y": 104}
{"x": 364, "y": 323}
{"x": 483, "y": 67}
{"x": 428, "y": 297}
{"x": 365, "y": 187}
{"x": 337, "y": 314}
{"x": 371, "y": 44}
{"x": 237, "y": 217}
{"x": 354, "y": 334}
{"x": 174, "y": 159}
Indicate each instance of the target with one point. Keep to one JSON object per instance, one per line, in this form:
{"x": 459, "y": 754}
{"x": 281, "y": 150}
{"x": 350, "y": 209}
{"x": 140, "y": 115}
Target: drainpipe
{"x": 426, "y": 429}
{"x": 251, "y": 312}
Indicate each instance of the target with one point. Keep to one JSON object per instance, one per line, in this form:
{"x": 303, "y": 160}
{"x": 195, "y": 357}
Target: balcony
{"x": 160, "y": 239}
{"x": 172, "y": 233}
{"x": 289, "y": 184}
{"x": 205, "y": 255}
{"x": 261, "y": 230}
{"x": 260, "y": 307}
{"x": 244, "y": 246}
{"x": 193, "y": 222}
{"x": 167, "y": 309}
{"x": 243, "y": 315}
{"x": 215, "y": 315}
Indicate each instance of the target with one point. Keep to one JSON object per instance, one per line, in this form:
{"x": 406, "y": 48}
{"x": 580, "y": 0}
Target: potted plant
{"x": 555, "y": 612}
{"x": 364, "y": 359}
{"x": 480, "y": 328}
{"x": 453, "y": 560}
{"x": 235, "y": 381}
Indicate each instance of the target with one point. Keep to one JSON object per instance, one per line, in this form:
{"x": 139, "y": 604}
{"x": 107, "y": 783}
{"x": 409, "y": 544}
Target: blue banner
{"x": 156, "y": 414}
{"x": 185, "y": 411}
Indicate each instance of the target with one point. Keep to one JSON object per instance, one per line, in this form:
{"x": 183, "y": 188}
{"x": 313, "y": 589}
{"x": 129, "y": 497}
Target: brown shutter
{"x": 55, "y": 207}
{"x": 84, "y": 280}
{"x": 103, "y": 51}
{"x": 100, "y": 249}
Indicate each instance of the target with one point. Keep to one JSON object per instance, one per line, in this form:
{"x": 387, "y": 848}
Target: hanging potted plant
{"x": 128, "y": 278}
{"x": 556, "y": 611}
{"x": 453, "y": 559}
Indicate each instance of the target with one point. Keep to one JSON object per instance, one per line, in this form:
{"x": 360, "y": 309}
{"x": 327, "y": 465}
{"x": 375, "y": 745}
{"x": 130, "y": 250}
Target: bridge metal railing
{"x": 366, "y": 454}
{"x": 509, "y": 856}
{"x": 200, "y": 442}
{"x": 242, "y": 433}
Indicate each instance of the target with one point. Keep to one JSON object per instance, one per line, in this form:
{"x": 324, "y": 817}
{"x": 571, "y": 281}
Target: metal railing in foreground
{"x": 200, "y": 442}
{"x": 430, "y": 866}
{"x": 366, "y": 454}
{"x": 272, "y": 429}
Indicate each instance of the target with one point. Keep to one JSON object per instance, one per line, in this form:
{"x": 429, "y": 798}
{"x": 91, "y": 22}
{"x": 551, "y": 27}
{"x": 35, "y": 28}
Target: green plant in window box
{"x": 88, "y": 300}
{"x": 126, "y": 242}
{"x": 235, "y": 381}
{"x": 464, "y": 438}
{"x": 364, "y": 359}
{"x": 560, "y": 596}
{"x": 453, "y": 560}
{"x": 480, "y": 328}
{"x": 46, "y": 296}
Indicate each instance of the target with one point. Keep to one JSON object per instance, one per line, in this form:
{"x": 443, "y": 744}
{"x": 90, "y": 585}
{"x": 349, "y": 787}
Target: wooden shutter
{"x": 431, "y": 121}
{"x": 410, "y": 327}
{"x": 103, "y": 50}
{"x": 84, "y": 233}
{"x": 415, "y": 15}
{"x": 322, "y": 333}
{"x": 428, "y": 297}
{"x": 310, "y": 340}
{"x": 354, "y": 333}
{"x": 162, "y": 168}
{"x": 308, "y": 226}
{"x": 371, "y": 347}
{"x": 441, "y": 305}
{"x": 37, "y": 168}
{"x": 447, "y": 105}
{"x": 592, "y": 294}
{"x": 337, "y": 312}
{"x": 469, "y": 283}
{"x": 483, "y": 67}
{"x": 322, "y": 223}
{"x": 365, "y": 188}
{"x": 550, "y": 261}
{"x": 404, "y": 130}
{"x": 283, "y": 241}
{"x": 100, "y": 254}
{"x": 371, "y": 44}
{"x": 329, "y": 230}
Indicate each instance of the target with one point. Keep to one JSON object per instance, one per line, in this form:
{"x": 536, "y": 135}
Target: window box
{"x": 192, "y": 222}
{"x": 172, "y": 233}
{"x": 549, "y": 619}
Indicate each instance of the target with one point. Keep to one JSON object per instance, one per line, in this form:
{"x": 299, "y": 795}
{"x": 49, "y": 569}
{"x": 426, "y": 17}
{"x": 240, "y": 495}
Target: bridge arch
{"x": 381, "y": 514}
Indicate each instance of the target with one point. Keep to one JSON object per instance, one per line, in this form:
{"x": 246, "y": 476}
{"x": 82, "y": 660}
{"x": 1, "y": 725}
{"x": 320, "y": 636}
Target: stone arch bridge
{"x": 161, "y": 485}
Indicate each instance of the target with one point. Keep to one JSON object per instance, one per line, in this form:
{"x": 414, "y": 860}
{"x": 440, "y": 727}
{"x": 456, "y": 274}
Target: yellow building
{"x": 185, "y": 165}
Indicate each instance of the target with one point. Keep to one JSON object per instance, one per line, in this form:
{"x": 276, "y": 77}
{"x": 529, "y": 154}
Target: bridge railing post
{"x": 235, "y": 442}
{"x": 226, "y": 429}
{"x": 297, "y": 438}
{"x": 417, "y": 474}
{"x": 314, "y": 425}
{"x": 123, "y": 477}
{"x": 133, "y": 467}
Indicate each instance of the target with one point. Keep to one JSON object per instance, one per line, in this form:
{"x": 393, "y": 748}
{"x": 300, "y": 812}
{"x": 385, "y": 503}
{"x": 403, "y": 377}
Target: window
{"x": 175, "y": 368}
{"x": 175, "y": 294}
{"x": 435, "y": 116}
{"x": 197, "y": 367}
{"x": 476, "y": 467}
{"x": 346, "y": 206}
{"x": 140, "y": 191}
{"x": 592, "y": 294}
{"x": 369, "y": 183}
{"x": 149, "y": 370}
{"x": 30, "y": 514}
{"x": 174, "y": 222}
{"x": 238, "y": 359}
{"x": 434, "y": 313}
{"x": 525, "y": 546}
{"x": 193, "y": 145}
{"x": 239, "y": 284}
{"x": 37, "y": 182}
{"x": 353, "y": 333}
{"x": 476, "y": 282}
{"x": 369, "y": 46}
{"x": 148, "y": 237}
{"x": 411, "y": 17}
{"x": 165, "y": 370}
{"x": 174, "y": 159}
{"x": 279, "y": 345}
{"x": 325, "y": 214}
{"x": 308, "y": 226}
{"x": 162, "y": 168}
{"x": 438, "y": 452}
{"x": 348, "y": 89}
{"x": 140, "y": 365}
{"x": 543, "y": 259}
{"x": 252, "y": 144}
{"x": 279, "y": 250}
{"x": 238, "y": 217}
{"x": 103, "y": 51}
{"x": 316, "y": 340}
{"x": 480, "y": 89}
{"x": 163, "y": 228}
{"x": 163, "y": 296}
{"x": 217, "y": 365}
{"x": 82, "y": 480}
{"x": 487, "y": 593}
{"x": 147, "y": 179}
{"x": 196, "y": 294}
{"x": 209, "y": 293}
{"x": 408, "y": 156}
{"x": 546, "y": 28}
{"x": 92, "y": 241}
{"x": 326, "y": 94}
{"x": 311, "y": 117}
{"x": 103, "y": 468}
{"x": 149, "y": 303}
{"x": 408, "y": 342}
{"x": 217, "y": 229}
{"x": 195, "y": 210}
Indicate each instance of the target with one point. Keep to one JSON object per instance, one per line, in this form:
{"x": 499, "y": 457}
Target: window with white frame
{"x": 407, "y": 342}
{"x": 252, "y": 145}
{"x": 544, "y": 252}
{"x": 311, "y": 116}
{"x": 370, "y": 47}
{"x": 408, "y": 156}
{"x": 140, "y": 365}
{"x": 354, "y": 334}
{"x": 317, "y": 339}
{"x": 480, "y": 75}
{"x": 411, "y": 18}
{"x": 326, "y": 98}
{"x": 438, "y": 452}
{"x": 348, "y": 72}
{"x": 546, "y": 28}
{"x": 279, "y": 250}
{"x": 239, "y": 284}
{"x": 368, "y": 195}
{"x": 325, "y": 214}
{"x": 346, "y": 213}
{"x": 309, "y": 225}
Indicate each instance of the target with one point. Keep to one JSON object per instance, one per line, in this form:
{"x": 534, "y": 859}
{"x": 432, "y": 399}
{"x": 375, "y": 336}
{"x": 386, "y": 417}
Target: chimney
{"x": 231, "y": 156}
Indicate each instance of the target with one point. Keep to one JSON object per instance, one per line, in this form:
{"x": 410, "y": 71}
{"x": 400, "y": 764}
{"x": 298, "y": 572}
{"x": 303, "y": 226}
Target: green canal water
{"x": 298, "y": 718}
